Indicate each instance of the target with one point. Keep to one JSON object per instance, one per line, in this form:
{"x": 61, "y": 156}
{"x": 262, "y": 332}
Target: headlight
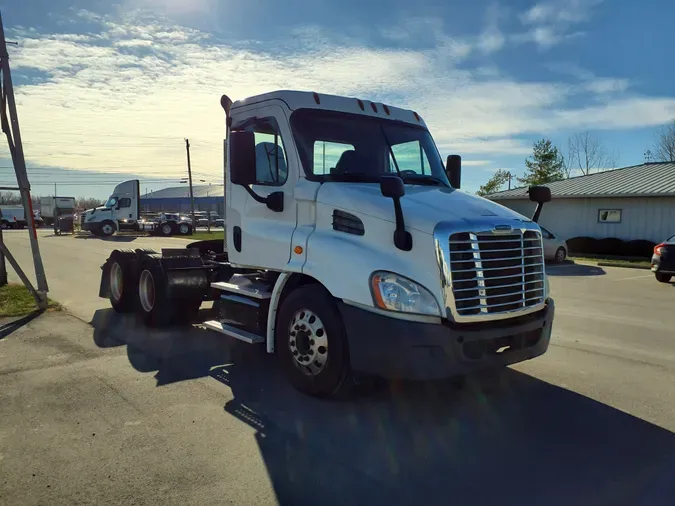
{"x": 396, "y": 293}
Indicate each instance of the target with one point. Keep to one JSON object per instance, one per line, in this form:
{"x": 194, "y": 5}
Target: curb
{"x": 608, "y": 264}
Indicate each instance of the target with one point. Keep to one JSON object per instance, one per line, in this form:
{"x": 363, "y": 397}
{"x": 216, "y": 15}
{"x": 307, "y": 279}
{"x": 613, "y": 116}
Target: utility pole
{"x": 509, "y": 173}
{"x": 10, "y": 126}
{"x": 192, "y": 197}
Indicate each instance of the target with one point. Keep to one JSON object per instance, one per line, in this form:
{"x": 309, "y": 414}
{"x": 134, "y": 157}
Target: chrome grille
{"x": 496, "y": 273}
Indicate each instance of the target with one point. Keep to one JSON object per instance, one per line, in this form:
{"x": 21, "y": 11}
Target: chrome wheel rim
{"x": 183, "y": 229}
{"x": 308, "y": 342}
{"x": 166, "y": 229}
{"x": 560, "y": 256}
{"x": 146, "y": 291}
{"x": 107, "y": 229}
{"x": 116, "y": 281}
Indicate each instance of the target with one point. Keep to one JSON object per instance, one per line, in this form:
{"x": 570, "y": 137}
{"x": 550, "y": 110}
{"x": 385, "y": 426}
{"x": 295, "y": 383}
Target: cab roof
{"x": 311, "y": 100}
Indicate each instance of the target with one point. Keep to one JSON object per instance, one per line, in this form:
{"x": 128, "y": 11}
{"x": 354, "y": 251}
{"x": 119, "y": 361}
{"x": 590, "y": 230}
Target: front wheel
{"x": 312, "y": 344}
{"x": 663, "y": 278}
{"x": 106, "y": 228}
{"x": 5, "y": 224}
{"x": 183, "y": 229}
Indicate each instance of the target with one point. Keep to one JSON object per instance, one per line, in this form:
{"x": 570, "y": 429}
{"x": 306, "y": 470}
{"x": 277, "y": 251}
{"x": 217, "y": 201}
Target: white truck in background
{"x": 52, "y": 207}
{"x": 349, "y": 249}
{"x": 121, "y": 212}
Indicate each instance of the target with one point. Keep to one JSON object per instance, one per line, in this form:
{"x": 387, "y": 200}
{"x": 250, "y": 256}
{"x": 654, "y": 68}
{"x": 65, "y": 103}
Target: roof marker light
{"x": 417, "y": 117}
{"x": 361, "y": 104}
{"x": 372, "y": 104}
{"x": 386, "y": 109}
{"x": 316, "y": 98}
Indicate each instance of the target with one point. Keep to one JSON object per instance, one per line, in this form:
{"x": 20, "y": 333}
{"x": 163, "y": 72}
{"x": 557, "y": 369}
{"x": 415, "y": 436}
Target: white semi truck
{"x": 349, "y": 249}
{"x": 122, "y": 212}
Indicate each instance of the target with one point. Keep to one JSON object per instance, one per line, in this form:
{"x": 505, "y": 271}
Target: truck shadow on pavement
{"x": 569, "y": 270}
{"x": 505, "y": 438}
{"x": 114, "y": 238}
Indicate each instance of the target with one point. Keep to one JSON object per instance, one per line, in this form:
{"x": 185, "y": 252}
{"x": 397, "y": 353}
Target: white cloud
{"x": 491, "y": 39}
{"x": 475, "y": 163}
{"x": 551, "y": 21}
{"x": 127, "y": 97}
{"x": 560, "y": 11}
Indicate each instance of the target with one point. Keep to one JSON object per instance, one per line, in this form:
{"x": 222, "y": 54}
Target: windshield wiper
{"x": 423, "y": 179}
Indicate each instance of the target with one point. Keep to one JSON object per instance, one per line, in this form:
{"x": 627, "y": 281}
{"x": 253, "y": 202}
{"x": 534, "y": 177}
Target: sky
{"x": 109, "y": 91}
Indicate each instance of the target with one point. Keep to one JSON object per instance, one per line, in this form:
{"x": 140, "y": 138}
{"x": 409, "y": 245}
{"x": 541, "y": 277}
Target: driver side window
{"x": 410, "y": 156}
{"x": 271, "y": 167}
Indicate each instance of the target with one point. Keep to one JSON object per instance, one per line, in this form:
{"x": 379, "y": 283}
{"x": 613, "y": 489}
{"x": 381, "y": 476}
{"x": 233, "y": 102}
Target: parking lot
{"x": 99, "y": 410}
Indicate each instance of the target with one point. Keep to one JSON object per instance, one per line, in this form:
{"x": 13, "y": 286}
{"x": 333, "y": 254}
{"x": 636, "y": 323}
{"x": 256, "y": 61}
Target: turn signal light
{"x": 658, "y": 248}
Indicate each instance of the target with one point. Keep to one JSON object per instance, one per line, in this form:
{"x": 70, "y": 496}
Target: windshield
{"x": 347, "y": 147}
{"x": 112, "y": 202}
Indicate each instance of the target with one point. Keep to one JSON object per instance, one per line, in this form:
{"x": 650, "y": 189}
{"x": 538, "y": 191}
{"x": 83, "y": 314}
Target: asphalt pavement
{"x": 112, "y": 413}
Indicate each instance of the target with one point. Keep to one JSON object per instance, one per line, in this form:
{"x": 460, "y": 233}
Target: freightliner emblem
{"x": 502, "y": 229}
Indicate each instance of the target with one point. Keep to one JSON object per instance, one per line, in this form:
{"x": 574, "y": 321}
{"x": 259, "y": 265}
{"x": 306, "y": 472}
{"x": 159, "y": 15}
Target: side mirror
{"x": 242, "y": 158}
{"x": 392, "y": 187}
{"x": 453, "y": 169}
{"x": 539, "y": 194}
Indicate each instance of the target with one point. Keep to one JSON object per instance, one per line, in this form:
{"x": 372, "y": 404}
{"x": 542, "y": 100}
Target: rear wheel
{"x": 153, "y": 305}
{"x": 663, "y": 278}
{"x": 121, "y": 280}
{"x": 166, "y": 229}
{"x": 560, "y": 255}
{"x": 312, "y": 343}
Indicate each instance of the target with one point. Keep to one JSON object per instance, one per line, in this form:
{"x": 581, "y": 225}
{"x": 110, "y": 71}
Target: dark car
{"x": 663, "y": 260}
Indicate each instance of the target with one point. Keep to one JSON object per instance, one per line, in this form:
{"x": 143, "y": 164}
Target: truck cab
{"x": 349, "y": 248}
{"x": 121, "y": 211}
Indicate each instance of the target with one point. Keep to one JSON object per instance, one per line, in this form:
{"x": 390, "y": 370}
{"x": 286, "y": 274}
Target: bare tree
{"x": 664, "y": 146}
{"x": 586, "y": 153}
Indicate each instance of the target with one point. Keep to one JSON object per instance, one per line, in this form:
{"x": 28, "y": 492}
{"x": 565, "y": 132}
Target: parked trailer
{"x": 51, "y": 207}
{"x": 13, "y": 217}
{"x": 378, "y": 265}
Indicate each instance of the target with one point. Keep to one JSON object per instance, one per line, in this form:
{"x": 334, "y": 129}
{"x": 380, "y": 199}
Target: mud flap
{"x": 104, "y": 288}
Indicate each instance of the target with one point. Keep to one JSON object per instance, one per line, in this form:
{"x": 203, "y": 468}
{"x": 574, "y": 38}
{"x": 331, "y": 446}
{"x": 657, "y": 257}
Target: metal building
{"x": 631, "y": 203}
{"x": 177, "y": 199}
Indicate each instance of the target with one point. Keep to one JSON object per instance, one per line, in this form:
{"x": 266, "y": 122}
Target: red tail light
{"x": 658, "y": 248}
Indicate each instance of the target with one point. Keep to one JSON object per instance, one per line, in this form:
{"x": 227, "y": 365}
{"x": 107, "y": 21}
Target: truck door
{"x": 127, "y": 205}
{"x": 257, "y": 235}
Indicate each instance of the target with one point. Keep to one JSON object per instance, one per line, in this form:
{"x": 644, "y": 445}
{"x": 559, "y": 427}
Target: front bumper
{"x": 394, "y": 348}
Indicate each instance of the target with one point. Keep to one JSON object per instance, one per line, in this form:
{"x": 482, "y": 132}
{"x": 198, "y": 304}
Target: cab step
{"x": 229, "y": 330}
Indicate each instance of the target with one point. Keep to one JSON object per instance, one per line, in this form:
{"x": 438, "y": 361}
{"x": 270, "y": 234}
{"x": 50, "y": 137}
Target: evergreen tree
{"x": 544, "y": 166}
{"x": 494, "y": 183}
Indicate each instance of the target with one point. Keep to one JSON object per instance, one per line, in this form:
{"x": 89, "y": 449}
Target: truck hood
{"x": 423, "y": 206}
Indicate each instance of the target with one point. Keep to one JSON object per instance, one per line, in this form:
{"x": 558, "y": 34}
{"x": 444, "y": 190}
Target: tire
{"x": 141, "y": 252}
{"x": 325, "y": 369}
{"x": 663, "y": 278}
{"x": 106, "y": 228}
{"x": 560, "y": 255}
{"x": 154, "y": 307}
{"x": 184, "y": 229}
{"x": 122, "y": 280}
{"x": 5, "y": 225}
{"x": 166, "y": 229}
